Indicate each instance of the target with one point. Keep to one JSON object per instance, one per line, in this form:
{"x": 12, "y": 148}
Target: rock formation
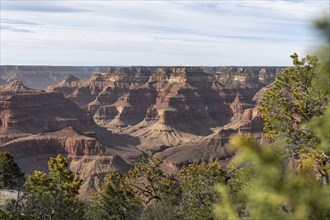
{"x": 42, "y": 76}
{"x": 179, "y": 113}
{"x": 106, "y": 122}
{"x": 35, "y": 125}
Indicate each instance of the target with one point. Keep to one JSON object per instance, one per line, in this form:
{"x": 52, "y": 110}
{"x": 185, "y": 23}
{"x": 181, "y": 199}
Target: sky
{"x": 157, "y": 33}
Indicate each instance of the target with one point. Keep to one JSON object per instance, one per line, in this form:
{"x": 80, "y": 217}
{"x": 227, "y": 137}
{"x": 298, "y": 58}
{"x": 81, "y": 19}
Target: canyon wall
{"x": 40, "y": 77}
{"x": 108, "y": 121}
{"x": 35, "y": 125}
{"x": 177, "y": 113}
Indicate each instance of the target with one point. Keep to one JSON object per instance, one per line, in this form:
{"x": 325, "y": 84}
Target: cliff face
{"x": 169, "y": 94}
{"x": 42, "y": 76}
{"x": 174, "y": 110}
{"x": 106, "y": 122}
{"x": 35, "y": 125}
{"x": 87, "y": 157}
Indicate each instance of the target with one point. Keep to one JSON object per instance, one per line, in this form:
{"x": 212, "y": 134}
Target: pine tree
{"x": 278, "y": 191}
{"x": 197, "y": 182}
{"x": 115, "y": 200}
{"x": 281, "y": 190}
{"x": 293, "y": 100}
{"x": 11, "y": 175}
{"x": 53, "y": 195}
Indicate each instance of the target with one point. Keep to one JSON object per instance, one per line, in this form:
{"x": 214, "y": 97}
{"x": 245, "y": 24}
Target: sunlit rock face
{"x": 174, "y": 110}
{"x": 36, "y": 125}
{"x": 106, "y": 122}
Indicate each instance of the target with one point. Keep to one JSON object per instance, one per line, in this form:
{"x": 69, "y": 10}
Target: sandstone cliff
{"x": 181, "y": 113}
{"x": 35, "y": 125}
{"x": 106, "y": 122}
{"x": 42, "y": 76}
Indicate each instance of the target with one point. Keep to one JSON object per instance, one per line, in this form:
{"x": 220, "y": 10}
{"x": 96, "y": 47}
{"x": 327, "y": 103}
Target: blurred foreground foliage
{"x": 278, "y": 190}
{"x": 292, "y": 173}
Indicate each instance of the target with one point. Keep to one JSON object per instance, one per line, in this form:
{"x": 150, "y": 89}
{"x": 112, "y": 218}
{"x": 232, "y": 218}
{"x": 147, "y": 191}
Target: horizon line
{"x": 47, "y": 65}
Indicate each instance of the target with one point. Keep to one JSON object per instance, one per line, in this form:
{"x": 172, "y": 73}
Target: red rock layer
{"x": 168, "y": 108}
{"x": 182, "y": 114}
{"x": 35, "y": 125}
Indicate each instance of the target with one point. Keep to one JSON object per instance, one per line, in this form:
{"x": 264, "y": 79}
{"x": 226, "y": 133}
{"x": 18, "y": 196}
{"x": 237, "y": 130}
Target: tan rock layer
{"x": 183, "y": 114}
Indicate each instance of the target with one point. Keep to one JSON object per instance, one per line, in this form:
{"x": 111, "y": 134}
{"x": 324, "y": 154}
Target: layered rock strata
{"x": 35, "y": 125}
{"x": 42, "y": 76}
{"x": 108, "y": 121}
{"x": 175, "y": 112}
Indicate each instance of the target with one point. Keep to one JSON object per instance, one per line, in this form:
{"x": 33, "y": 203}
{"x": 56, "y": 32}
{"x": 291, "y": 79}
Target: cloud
{"x": 16, "y": 25}
{"x": 16, "y": 21}
{"x": 39, "y": 6}
{"x": 21, "y": 30}
{"x": 156, "y": 32}
{"x": 299, "y": 9}
{"x": 14, "y": 29}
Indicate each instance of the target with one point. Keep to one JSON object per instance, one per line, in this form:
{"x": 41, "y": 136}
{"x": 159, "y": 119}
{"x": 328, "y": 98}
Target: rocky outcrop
{"x": 86, "y": 156}
{"x": 108, "y": 121}
{"x": 42, "y": 76}
{"x": 29, "y": 110}
{"x": 173, "y": 109}
{"x": 36, "y": 125}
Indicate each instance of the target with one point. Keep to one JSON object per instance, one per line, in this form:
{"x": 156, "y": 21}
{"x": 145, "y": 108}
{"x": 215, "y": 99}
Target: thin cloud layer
{"x": 39, "y": 6}
{"x": 157, "y": 32}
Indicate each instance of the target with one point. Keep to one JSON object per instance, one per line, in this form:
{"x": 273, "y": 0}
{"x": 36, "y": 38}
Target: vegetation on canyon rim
{"x": 287, "y": 179}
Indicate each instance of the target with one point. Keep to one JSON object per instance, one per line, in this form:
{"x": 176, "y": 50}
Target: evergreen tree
{"x": 116, "y": 200}
{"x": 320, "y": 125}
{"x": 197, "y": 182}
{"x": 144, "y": 192}
{"x": 293, "y": 100}
{"x": 53, "y": 195}
{"x": 149, "y": 182}
{"x": 11, "y": 175}
{"x": 281, "y": 190}
{"x": 278, "y": 191}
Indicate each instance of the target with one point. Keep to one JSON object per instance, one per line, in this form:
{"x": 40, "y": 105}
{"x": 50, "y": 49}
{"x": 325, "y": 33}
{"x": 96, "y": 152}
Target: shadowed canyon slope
{"x": 35, "y": 125}
{"x": 179, "y": 113}
{"x": 107, "y": 121}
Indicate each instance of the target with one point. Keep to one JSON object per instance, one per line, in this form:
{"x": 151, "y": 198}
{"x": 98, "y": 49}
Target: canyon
{"x": 106, "y": 118}
{"x": 39, "y": 77}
